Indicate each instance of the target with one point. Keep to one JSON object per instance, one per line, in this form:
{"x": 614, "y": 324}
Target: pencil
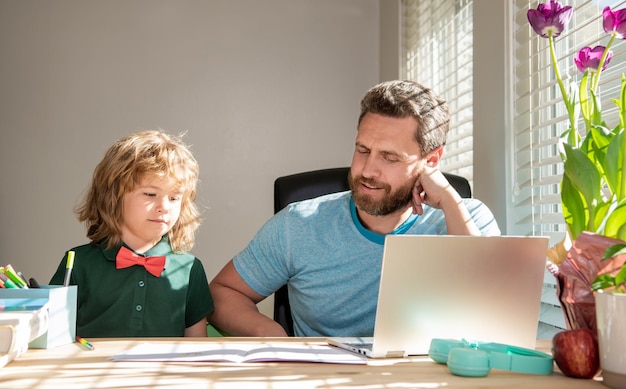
{"x": 7, "y": 281}
{"x": 84, "y": 343}
{"x": 68, "y": 267}
{"x": 10, "y": 273}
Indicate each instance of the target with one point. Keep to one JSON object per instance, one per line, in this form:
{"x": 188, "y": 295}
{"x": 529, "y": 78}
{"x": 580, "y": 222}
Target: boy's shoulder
{"x": 92, "y": 251}
{"x": 88, "y": 249}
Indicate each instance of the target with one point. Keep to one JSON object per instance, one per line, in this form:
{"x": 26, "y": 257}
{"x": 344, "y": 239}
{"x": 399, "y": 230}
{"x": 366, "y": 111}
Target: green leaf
{"x": 613, "y": 165}
{"x": 571, "y": 135}
{"x": 596, "y": 110}
{"x": 622, "y": 103}
{"x": 584, "y": 178}
{"x": 599, "y": 137}
{"x": 585, "y": 102}
{"x": 615, "y": 223}
{"x": 574, "y": 208}
{"x": 602, "y": 211}
{"x": 614, "y": 250}
{"x": 620, "y": 277}
{"x": 603, "y": 281}
{"x": 583, "y": 173}
{"x": 599, "y": 140}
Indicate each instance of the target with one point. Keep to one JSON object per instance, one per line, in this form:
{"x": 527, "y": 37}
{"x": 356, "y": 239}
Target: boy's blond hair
{"x": 128, "y": 160}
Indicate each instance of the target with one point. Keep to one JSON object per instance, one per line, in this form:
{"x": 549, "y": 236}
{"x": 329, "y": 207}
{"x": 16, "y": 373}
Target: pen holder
{"x": 59, "y": 302}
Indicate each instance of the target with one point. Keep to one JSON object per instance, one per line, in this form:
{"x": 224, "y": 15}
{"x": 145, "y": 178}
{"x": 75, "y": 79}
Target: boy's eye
{"x": 149, "y": 194}
{"x": 175, "y": 198}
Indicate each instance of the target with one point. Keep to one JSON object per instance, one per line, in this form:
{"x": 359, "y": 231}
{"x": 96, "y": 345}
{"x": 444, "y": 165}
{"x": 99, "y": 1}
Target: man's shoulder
{"x": 482, "y": 216}
{"x": 337, "y": 200}
{"x": 476, "y": 207}
{"x": 473, "y": 203}
{"x": 479, "y": 211}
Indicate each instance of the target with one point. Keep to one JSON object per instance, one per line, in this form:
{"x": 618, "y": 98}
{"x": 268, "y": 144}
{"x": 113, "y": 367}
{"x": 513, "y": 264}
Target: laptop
{"x": 476, "y": 288}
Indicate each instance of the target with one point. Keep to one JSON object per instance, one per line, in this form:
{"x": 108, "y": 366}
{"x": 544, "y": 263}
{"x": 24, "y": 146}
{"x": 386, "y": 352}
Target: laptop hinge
{"x": 395, "y": 354}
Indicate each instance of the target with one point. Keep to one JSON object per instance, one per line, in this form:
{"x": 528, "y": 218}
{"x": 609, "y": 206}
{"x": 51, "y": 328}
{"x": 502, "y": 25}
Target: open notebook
{"x": 457, "y": 287}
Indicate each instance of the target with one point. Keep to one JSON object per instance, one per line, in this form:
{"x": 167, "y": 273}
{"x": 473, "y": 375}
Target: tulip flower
{"x": 614, "y": 22}
{"x": 549, "y": 19}
{"x": 589, "y": 58}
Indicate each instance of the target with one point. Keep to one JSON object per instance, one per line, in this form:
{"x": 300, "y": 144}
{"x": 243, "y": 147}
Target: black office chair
{"x": 307, "y": 185}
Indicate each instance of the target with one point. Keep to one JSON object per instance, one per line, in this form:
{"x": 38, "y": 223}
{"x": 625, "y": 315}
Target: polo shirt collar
{"x": 161, "y": 248}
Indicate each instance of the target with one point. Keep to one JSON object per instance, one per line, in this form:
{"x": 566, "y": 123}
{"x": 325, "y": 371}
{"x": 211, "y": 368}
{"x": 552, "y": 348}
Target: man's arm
{"x": 434, "y": 190}
{"x": 235, "y": 307}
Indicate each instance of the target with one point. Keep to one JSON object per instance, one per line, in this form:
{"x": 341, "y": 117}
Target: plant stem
{"x": 568, "y": 106}
{"x": 583, "y": 96}
{"x": 596, "y": 79}
{"x": 621, "y": 191}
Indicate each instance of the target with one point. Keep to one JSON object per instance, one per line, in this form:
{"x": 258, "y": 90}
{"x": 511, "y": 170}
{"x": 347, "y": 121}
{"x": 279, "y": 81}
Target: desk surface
{"x": 72, "y": 366}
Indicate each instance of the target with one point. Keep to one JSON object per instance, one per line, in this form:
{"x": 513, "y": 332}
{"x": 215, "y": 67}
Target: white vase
{"x": 611, "y": 320}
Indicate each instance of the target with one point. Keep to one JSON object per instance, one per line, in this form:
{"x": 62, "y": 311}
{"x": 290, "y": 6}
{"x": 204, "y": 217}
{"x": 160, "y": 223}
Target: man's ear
{"x": 433, "y": 158}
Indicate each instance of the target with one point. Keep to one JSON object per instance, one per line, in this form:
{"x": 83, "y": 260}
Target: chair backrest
{"x": 307, "y": 185}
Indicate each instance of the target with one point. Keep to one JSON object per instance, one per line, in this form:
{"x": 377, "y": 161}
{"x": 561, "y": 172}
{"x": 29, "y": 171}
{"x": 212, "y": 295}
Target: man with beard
{"x": 329, "y": 249}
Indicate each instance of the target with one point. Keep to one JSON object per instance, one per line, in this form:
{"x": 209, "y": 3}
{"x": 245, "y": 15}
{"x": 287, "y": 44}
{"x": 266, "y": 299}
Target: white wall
{"x": 492, "y": 149}
{"x": 263, "y": 89}
{"x": 390, "y": 39}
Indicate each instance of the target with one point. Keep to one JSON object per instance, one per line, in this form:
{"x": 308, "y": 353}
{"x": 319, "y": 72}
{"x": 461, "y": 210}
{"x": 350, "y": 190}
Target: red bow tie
{"x": 126, "y": 258}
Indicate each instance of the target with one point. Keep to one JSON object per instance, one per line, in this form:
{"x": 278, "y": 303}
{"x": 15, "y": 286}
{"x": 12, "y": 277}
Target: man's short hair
{"x": 400, "y": 99}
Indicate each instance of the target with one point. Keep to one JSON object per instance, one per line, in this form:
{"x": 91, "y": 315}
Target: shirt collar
{"x": 374, "y": 236}
{"x": 161, "y": 248}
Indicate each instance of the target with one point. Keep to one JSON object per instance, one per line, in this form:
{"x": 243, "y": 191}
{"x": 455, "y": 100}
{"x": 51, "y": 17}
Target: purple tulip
{"x": 589, "y": 58}
{"x": 549, "y": 18}
{"x": 614, "y": 22}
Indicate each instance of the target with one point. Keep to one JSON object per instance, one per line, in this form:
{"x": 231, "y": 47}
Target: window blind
{"x": 540, "y": 117}
{"x": 437, "y": 50}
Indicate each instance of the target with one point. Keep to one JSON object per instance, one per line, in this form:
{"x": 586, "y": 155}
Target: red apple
{"x": 576, "y": 352}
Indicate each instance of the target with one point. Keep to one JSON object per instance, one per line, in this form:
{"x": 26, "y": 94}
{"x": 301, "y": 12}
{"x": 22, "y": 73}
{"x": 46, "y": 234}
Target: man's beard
{"x": 390, "y": 203}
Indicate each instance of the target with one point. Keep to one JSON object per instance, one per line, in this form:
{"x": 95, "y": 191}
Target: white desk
{"x": 72, "y": 366}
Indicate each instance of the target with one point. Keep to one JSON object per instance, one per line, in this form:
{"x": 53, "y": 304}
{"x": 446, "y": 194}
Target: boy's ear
{"x": 433, "y": 158}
